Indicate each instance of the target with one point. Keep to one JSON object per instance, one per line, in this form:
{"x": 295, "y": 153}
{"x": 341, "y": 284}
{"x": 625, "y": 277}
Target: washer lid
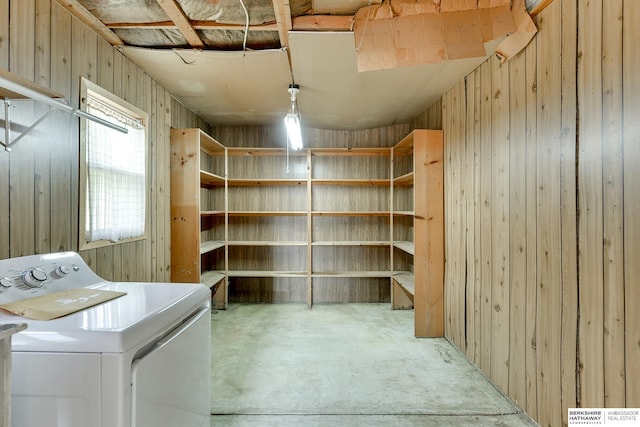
{"x": 148, "y": 310}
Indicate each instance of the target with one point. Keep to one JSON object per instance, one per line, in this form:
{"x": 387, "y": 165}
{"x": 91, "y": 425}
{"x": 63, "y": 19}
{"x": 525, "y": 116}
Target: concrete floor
{"x": 343, "y": 365}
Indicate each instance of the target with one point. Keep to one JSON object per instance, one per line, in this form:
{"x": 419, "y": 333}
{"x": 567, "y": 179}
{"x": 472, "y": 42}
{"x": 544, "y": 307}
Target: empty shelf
{"x": 212, "y": 213}
{"x": 211, "y": 278}
{"x": 370, "y": 274}
{"x": 265, "y": 182}
{"x": 354, "y": 182}
{"x": 404, "y": 213}
{"x": 267, "y": 213}
{"x": 245, "y": 151}
{"x": 267, "y": 243}
{"x": 405, "y": 281}
{"x": 406, "y": 179}
{"x": 351, "y": 243}
{"x": 264, "y": 273}
{"x": 208, "y": 179}
{"x": 368, "y": 151}
{"x": 350, "y": 213}
{"x": 210, "y": 246}
{"x": 407, "y": 247}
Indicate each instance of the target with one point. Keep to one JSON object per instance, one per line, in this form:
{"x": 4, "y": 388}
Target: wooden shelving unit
{"x": 268, "y": 245}
{"x": 198, "y": 211}
{"x": 350, "y": 206}
{"x": 314, "y": 225}
{"x": 417, "y": 224}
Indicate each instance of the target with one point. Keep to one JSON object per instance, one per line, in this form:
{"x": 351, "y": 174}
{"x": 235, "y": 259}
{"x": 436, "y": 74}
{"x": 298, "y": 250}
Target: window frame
{"x": 86, "y": 87}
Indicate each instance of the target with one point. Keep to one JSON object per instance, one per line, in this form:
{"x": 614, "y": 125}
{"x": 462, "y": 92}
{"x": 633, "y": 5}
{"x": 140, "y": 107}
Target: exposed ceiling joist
{"x": 196, "y": 25}
{"x": 177, "y": 15}
{"x": 94, "y": 23}
{"x": 322, "y": 23}
{"x": 283, "y": 19}
{"x": 299, "y": 23}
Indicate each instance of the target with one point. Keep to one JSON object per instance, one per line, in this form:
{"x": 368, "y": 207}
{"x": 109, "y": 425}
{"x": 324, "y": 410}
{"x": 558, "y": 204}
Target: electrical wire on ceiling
{"x": 246, "y": 26}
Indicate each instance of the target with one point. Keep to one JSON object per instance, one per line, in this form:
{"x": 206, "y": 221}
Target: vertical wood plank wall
{"x": 41, "y": 41}
{"x": 542, "y": 166}
{"x": 543, "y": 212}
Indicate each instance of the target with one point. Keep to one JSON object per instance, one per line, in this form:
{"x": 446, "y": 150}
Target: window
{"x": 113, "y": 195}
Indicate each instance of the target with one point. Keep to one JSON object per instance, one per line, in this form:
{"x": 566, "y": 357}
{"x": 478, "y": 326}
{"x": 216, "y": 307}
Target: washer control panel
{"x": 34, "y": 275}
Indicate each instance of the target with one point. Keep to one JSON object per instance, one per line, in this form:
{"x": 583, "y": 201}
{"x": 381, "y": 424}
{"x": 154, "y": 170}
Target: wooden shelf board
{"x": 361, "y": 182}
{"x": 407, "y": 247}
{"x": 404, "y": 213}
{"x": 406, "y": 179}
{"x": 210, "y": 246}
{"x": 372, "y": 151}
{"x": 265, "y": 182}
{"x": 211, "y": 278}
{"x": 351, "y": 243}
{"x": 350, "y": 213}
{"x": 365, "y": 274}
{"x": 14, "y": 78}
{"x": 406, "y": 281}
{"x": 266, "y": 243}
{"x": 210, "y": 145}
{"x": 405, "y": 145}
{"x": 212, "y": 213}
{"x": 267, "y": 213}
{"x": 210, "y": 179}
{"x": 257, "y": 273}
{"x": 253, "y": 151}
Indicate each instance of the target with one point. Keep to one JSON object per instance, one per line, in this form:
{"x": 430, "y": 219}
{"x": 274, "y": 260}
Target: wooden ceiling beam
{"x": 89, "y": 19}
{"x": 299, "y": 23}
{"x": 283, "y": 19}
{"x": 323, "y": 23}
{"x": 196, "y": 25}
{"x": 177, "y": 15}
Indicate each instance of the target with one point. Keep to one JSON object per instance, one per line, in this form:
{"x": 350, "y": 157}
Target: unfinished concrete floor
{"x": 343, "y": 365}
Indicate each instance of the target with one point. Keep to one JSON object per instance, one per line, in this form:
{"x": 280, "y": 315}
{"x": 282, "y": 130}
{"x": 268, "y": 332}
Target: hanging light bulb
{"x": 292, "y": 121}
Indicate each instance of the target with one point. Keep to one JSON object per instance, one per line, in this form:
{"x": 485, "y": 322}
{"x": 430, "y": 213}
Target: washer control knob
{"x": 62, "y": 270}
{"x": 34, "y": 278}
{"x": 5, "y": 282}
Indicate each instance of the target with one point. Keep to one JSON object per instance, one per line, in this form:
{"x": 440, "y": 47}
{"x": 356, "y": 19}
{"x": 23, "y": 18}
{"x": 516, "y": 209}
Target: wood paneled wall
{"x": 542, "y": 201}
{"x": 41, "y": 41}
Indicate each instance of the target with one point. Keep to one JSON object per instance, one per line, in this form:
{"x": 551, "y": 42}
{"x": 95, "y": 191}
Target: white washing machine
{"x": 140, "y": 360}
